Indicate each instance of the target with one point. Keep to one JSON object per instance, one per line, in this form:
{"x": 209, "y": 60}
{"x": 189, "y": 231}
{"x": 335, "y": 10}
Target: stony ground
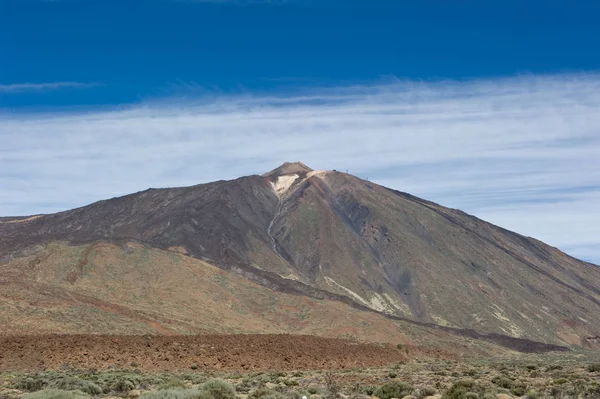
{"x": 210, "y": 352}
{"x": 557, "y": 375}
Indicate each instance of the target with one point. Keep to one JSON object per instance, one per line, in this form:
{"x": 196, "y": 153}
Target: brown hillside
{"x": 310, "y": 235}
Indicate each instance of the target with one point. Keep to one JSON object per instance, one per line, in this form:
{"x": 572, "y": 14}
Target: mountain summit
{"x": 289, "y": 168}
{"x": 324, "y": 235}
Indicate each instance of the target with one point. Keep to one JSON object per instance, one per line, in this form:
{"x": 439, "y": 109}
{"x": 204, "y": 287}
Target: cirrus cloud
{"x": 520, "y": 152}
{"x": 29, "y": 87}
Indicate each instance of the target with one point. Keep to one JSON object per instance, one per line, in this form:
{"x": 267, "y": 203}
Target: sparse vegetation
{"x": 261, "y": 393}
{"x": 393, "y": 390}
{"x": 219, "y": 389}
{"x": 594, "y": 368}
{"x": 69, "y": 383}
{"x": 463, "y": 389}
{"x": 173, "y": 383}
{"x": 557, "y": 376}
{"x": 176, "y": 394}
{"x": 332, "y": 386}
{"x": 56, "y": 394}
{"x": 425, "y": 392}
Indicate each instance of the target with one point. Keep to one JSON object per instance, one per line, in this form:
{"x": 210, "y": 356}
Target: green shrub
{"x": 32, "y": 383}
{"x": 261, "y": 393}
{"x": 332, "y": 386}
{"x": 425, "y": 392}
{"x": 123, "y": 385}
{"x": 176, "y": 394}
{"x": 593, "y": 368}
{"x": 593, "y": 389}
{"x": 519, "y": 389}
{"x": 533, "y": 395}
{"x": 503, "y": 382}
{"x": 56, "y": 394}
{"x": 392, "y": 374}
{"x": 68, "y": 383}
{"x": 219, "y": 389}
{"x": 276, "y": 374}
{"x": 554, "y": 367}
{"x": 315, "y": 390}
{"x": 194, "y": 367}
{"x": 393, "y": 390}
{"x": 556, "y": 391}
{"x": 120, "y": 382}
{"x": 368, "y": 389}
{"x": 463, "y": 389}
{"x": 531, "y": 367}
{"x": 173, "y": 383}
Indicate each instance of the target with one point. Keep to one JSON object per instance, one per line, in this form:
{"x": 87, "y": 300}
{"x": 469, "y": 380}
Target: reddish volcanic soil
{"x": 214, "y": 352}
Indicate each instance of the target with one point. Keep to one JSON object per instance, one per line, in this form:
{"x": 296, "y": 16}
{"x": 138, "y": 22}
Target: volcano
{"x": 335, "y": 246}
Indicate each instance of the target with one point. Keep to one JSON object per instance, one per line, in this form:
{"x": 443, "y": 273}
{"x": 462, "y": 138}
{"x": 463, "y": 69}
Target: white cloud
{"x": 523, "y": 152}
{"x": 28, "y": 87}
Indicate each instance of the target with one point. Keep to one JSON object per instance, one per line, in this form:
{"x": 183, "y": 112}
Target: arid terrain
{"x": 318, "y": 241}
{"x": 212, "y": 352}
{"x": 294, "y": 283}
{"x": 560, "y": 375}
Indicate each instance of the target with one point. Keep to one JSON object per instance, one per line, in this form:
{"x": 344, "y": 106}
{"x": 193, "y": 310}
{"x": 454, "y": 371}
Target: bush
{"x": 594, "y": 368}
{"x": 503, "y": 382}
{"x": 260, "y": 393}
{"x": 533, "y": 395}
{"x": 519, "y": 389}
{"x": 593, "y": 389}
{"x": 332, "y": 386}
{"x": 464, "y": 389}
{"x": 56, "y": 394}
{"x": 368, "y": 390}
{"x": 219, "y": 389}
{"x": 554, "y": 367}
{"x": 32, "y": 383}
{"x": 393, "y": 390}
{"x": 69, "y": 383}
{"x": 393, "y": 374}
{"x": 173, "y": 383}
{"x": 425, "y": 392}
{"x": 122, "y": 384}
{"x": 176, "y": 394}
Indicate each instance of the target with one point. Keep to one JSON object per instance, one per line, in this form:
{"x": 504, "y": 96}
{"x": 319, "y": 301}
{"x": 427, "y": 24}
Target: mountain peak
{"x": 289, "y": 168}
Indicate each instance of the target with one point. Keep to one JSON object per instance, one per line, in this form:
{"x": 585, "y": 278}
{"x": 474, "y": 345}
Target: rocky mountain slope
{"x": 328, "y": 235}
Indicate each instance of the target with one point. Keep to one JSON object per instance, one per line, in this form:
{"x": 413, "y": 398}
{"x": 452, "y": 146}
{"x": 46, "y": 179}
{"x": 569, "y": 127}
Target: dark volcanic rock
{"x": 332, "y": 235}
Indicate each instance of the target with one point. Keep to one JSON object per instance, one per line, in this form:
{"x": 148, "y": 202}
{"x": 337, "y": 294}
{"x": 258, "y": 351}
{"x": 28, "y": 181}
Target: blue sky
{"x": 490, "y": 107}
